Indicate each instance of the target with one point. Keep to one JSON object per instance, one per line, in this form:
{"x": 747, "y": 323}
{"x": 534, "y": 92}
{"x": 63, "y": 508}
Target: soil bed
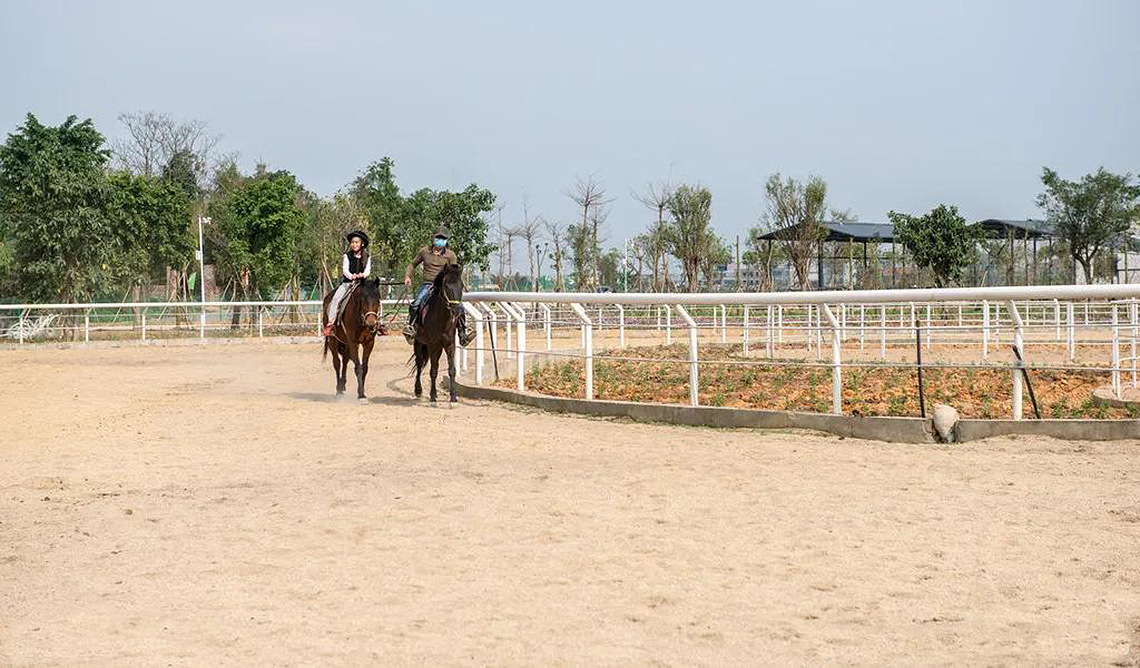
{"x": 867, "y": 390}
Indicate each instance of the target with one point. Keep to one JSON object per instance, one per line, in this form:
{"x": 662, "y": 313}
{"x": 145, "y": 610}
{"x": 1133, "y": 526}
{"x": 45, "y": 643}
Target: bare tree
{"x": 591, "y": 196}
{"x": 154, "y": 138}
{"x": 557, "y": 234}
{"x": 530, "y": 230}
{"x": 656, "y": 198}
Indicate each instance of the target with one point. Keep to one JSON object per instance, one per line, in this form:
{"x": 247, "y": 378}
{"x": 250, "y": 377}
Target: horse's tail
{"x": 324, "y": 340}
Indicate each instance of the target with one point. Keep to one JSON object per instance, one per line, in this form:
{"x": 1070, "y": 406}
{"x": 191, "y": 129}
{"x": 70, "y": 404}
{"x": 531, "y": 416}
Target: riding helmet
{"x": 358, "y": 233}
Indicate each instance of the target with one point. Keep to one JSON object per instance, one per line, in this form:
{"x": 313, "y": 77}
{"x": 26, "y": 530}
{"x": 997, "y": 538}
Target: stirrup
{"x": 410, "y": 333}
{"x": 465, "y": 336}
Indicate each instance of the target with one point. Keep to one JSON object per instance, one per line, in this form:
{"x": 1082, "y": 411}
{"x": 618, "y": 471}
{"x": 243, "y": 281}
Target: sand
{"x": 215, "y": 506}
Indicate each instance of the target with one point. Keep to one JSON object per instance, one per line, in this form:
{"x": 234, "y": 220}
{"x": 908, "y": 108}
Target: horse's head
{"x": 370, "y": 304}
{"x": 449, "y": 283}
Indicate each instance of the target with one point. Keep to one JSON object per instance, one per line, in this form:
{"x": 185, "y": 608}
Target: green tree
{"x": 795, "y": 212}
{"x": 152, "y": 224}
{"x": 54, "y": 201}
{"x": 689, "y": 237}
{"x": 940, "y": 241}
{"x": 1088, "y": 215}
{"x": 580, "y": 244}
{"x": 256, "y": 222}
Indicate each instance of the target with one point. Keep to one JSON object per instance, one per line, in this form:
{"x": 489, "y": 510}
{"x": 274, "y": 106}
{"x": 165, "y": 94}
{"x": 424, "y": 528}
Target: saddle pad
{"x": 344, "y": 302}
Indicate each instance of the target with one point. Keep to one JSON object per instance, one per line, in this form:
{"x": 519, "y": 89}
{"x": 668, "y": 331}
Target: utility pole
{"x": 202, "y": 258}
{"x": 738, "y": 263}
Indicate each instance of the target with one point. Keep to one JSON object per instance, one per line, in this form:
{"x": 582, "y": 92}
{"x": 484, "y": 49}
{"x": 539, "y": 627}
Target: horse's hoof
{"x": 363, "y": 401}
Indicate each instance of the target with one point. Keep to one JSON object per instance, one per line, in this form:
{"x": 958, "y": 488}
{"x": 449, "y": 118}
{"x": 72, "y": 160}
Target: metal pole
{"x": 1018, "y": 344}
{"x": 745, "y": 334}
{"x": 1072, "y": 332}
{"x": 836, "y": 363}
{"x": 260, "y": 321}
{"x": 144, "y": 325}
{"x": 693, "y": 373}
{"x": 1132, "y": 342}
{"x": 780, "y": 323}
{"x": 723, "y": 323}
{"x": 588, "y": 346}
{"x": 862, "y": 325}
{"x": 86, "y": 326}
{"x": 883, "y": 331}
{"x": 668, "y": 325}
{"x": 1057, "y": 316}
{"x": 621, "y": 325}
{"x": 985, "y": 329}
{"x": 1115, "y": 354}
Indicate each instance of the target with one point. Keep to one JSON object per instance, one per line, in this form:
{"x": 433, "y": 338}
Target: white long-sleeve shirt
{"x": 344, "y": 267}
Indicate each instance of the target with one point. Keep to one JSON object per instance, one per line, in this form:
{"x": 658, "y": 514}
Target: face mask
{"x": 440, "y": 243}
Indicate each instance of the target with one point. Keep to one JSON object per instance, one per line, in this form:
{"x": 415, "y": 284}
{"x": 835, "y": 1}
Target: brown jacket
{"x": 432, "y": 262}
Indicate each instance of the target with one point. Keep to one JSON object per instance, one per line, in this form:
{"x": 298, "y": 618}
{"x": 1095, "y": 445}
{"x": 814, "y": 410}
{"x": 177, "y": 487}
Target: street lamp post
{"x": 202, "y": 276}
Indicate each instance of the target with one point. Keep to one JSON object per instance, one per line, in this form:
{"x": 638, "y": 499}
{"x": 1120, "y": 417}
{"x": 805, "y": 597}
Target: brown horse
{"x": 357, "y": 330}
{"x": 436, "y": 333}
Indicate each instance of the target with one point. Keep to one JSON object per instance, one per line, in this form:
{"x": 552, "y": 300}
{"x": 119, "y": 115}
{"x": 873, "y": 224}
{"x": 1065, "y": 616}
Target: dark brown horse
{"x": 354, "y": 335}
{"x": 436, "y": 333}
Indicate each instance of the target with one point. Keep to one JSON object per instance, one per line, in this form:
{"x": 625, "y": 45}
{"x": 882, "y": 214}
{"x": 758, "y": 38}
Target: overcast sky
{"x": 898, "y": 105}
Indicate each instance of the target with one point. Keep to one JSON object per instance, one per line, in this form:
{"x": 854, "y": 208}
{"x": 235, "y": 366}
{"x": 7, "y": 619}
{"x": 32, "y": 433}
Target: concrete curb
{"x": 894, "y": 429}
{"x": 1102, "y": 396}
{"x": 1068, "y": 430}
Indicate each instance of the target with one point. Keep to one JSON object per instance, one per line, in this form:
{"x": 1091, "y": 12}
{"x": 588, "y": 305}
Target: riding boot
{"x": 465, "y": 332}
{"x": 410, "y": 328}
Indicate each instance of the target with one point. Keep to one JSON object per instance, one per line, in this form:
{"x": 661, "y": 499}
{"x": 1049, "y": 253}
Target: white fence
{"x": 1100, "y": 317}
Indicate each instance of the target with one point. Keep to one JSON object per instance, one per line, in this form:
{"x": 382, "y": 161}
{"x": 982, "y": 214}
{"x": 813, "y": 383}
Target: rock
{"x": 945, "y": 417}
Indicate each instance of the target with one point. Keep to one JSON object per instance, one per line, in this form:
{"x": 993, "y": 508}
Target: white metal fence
{"x": 1102, "y": 318}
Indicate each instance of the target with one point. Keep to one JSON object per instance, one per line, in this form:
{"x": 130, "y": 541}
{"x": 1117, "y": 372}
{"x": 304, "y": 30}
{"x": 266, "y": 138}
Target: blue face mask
{"x": 440, "y": 243}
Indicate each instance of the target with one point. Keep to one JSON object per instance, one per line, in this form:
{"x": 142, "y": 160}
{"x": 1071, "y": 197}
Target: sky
{"x": 897, "y": 105}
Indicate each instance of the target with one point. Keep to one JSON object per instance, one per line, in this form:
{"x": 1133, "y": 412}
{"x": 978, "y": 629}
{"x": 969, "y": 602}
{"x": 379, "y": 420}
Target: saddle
{"x": 421, "y": 313}
{"x": 344, "y": 302}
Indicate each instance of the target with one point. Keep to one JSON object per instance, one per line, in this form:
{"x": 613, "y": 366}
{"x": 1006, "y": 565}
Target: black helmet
{"x": 358, "y": 233}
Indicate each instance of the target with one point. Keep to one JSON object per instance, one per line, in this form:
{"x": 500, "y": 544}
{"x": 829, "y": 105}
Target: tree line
{"x": 83, "y": 219}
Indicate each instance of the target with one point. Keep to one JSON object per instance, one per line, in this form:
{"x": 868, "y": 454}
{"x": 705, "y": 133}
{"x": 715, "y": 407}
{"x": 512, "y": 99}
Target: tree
{"x": 54, "y": 207}
{"x": 153, "y": 225}
{"x": 580, "y": 245}
{"x": 558, "y": 241}
{"x": 656, "y": 198}
{"x": 940, "y": 241}
{"x": 689, "y": 237}
{"x": 530, "y": 229}
{"x": 462, "y": 213}
{"x": 591, "y": 196}
{"x": 259, "y": 222}
{"x": 795, "y": 211}
{"x": 155, "y": 139}
{"x": 1089, "y": 214}
{"x": 717, "y": 252}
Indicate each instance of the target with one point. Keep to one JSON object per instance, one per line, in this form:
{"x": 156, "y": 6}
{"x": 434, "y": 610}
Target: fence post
{"x": 929, "y": 331}
{"x": 546, "y": 315}
{"x": 492, "y": 323}
{"x": 985, "y": 329}
{"x": 518, "y": 314}
{"x": 144, "y": 325}
{"x": 1132, "y": 342}
{"x": 808, "y": 331}
{"x": 883, "y": 331}
{"x": 745, "y": 334}
{"x": 668, "y": 324}
{"x": 478, "y": 317}
{"x": 1071, "y": 331}
{"x": 21, "y": 326}
{"x": 723, "y": 323}
{"x": 508, "y": 324}
{"x": 588, "y": 328}
{"x": 87, "y": 325}
{"x": 1057, "y": 316}
{"x": 862, "y": 324}
{"x": 843, "y": 322}
{"x": 1018, "y": 343}
{"x": 769, "y": 338}
{"x": 621, "y": 325}
{"x": 694, "y": 376}
{"x": 780, "y": 323}
{"x": 836, "y": 363}
{"x": 261, "y": 321}
{"x": 1115, "y": 353}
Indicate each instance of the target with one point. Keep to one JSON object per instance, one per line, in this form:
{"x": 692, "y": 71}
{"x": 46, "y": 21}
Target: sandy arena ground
{"x": 215, "y": 506}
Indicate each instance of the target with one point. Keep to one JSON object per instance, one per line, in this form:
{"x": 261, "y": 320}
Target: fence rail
{"x": 1089, "y": 317}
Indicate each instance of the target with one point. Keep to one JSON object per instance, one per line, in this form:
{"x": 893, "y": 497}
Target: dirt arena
{"x": 215, "y": 506}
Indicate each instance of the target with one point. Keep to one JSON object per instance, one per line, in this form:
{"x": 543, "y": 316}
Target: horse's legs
{"x": 434, "y": 371}
{"x": 451, "y": 372}
{"x": 333, "y": 348}
{"x": 362, "y": 369}
{"x": 421, "y": 357}
{"x": 342, "y": 377}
